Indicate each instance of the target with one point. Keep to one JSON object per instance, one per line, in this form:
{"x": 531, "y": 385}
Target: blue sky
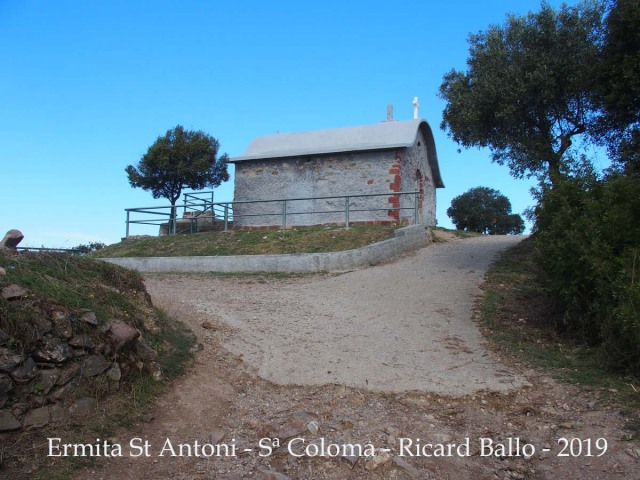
{"x": 87, "y": 86}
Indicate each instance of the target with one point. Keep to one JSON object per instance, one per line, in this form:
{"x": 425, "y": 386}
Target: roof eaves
{"x": 310, "y": 153}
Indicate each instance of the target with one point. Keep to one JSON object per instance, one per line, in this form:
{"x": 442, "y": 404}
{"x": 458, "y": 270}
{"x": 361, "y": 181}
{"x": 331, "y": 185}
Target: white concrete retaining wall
{"x": 405, "y": 239}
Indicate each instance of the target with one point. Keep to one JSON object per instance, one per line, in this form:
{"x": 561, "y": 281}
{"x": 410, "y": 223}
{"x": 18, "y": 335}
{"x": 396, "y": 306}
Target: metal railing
{"x": 222, "y": 213}
{"x": 72, "y": 251}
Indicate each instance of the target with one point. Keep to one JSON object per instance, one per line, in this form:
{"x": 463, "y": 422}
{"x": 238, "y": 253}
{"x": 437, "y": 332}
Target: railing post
{"x": 284, "y": 215}
{"x": 346, "y": 213}
{"x": 415, "y": 209}
{"x": 226, "y": 216}
{"x": 127, "y": 235}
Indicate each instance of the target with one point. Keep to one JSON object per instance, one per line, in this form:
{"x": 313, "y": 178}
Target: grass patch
{"x": 518, "y": 316}
{"x": 251, "y": 242}
{"x": 70, "y": 284}
{"x": 456, "y": 233}
{"x": 58, "y": 282}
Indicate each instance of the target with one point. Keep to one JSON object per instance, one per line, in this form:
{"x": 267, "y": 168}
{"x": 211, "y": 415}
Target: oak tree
{"x": 484, "y": 210}
{"x": 526, "y": 92}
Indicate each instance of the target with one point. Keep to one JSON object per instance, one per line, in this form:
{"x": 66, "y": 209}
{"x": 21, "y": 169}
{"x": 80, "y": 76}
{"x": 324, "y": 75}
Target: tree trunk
{"x": 173, "y": 218}
{"x": 554, "y": 171}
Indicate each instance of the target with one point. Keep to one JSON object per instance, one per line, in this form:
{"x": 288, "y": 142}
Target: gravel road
{"x": 401, "y": 326}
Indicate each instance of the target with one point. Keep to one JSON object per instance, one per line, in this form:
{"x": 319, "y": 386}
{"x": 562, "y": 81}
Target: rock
{"x": 43, "y": 325}
{"x": 155, "y": 370}
{"x": 11, "y": 239}
{"x": 120, "y": 335}
{"x": 4, "y": 338}
{"x": 82, "y": 341}
{"x": 3, "y": 272}
{"x": 62, "y": 325}
{"x": 94, "y": 365}
{"x": 52, "y": 350}
{"x": 409, "y": 469}
{"x": 114, "y": 373}
{"x": 145, "y": 352}
{"x": 8, "y": 421}
{"x": 6, "y": 385}
{"x": 350, "y": 460}
{"x": 14, "y": 291}
{"x": 83, "y": 406}
{"x": 216, "y": 436}
{"x": 57, "y": 414}
{"x": 293, "y": 428}
{"x": 45, "y": 381}
{"x": 393, "y": 434}
{"x": 79, "y": 352}
{"x": 9, "y": 360}
{"x": 25, "y": 372}
{"x": 313, "y": 427}
{"x": 208, "y": 325}
{"x": 37, "y": 418}
{"x": 379, "y": 460}
{"x": 20, "y": 408}
{"x": 90, "y": 318}
{"x": 66, "y": 390}
{"x": 271, "y": 475}
{"x": 69, "y": 372}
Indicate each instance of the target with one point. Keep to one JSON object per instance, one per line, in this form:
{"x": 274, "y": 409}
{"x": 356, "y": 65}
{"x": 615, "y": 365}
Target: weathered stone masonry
{"x": 365, "y": 168}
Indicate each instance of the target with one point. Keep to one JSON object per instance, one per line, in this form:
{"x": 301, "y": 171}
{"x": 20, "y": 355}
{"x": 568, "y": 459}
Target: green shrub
{"x": 588, "y": 240}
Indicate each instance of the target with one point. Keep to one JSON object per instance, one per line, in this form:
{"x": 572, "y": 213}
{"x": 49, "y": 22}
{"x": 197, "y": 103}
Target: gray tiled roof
{"x": 379, "y": 136}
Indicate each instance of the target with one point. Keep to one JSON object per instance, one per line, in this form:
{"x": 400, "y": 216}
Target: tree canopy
{"x": 177, "y": 160}
{"x": 484, "y": 210}
{"x": 526, "y": 93}
{"x": 618, "y": 90}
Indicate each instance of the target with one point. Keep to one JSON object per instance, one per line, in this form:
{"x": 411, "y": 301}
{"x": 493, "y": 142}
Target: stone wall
{"x": 385, "y": 171}
{"x": 416, "y": 175}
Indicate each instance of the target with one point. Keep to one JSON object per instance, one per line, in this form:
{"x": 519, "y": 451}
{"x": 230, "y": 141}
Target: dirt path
{"x": 386, "y": 356}
{"x": 401, "y": 326}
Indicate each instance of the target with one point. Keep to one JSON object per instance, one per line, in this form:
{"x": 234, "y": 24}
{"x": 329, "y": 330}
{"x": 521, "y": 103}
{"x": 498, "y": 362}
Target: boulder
{"x": 11, "y": 239}
{"x": 62, "y": 324}
{"x": 120, "y": 335}
{"x": 65, "y": 391}
{"x": 57, "y": 414}
{"x": 114, "y": 373}
{"x": 37, "y": 418}
{"x": 13, "y": 292}
{"x": 8, "y": 421}
{"x": 70, "y": 371}
{"x": 25, "y": 372}
{"x": 145, "y": 352}
{"x": 9, "y": 360}
{"x": 94, "y": 365}
{"x": 43, "y": 325}
{"x": 52, "y": 350}
{"x": 45, "y": 381}
{"x": 6, "y": 385}
{"x": 82, "y": 341}
{"x": 90, "y": 318}
{"x": 4, "y": 338}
